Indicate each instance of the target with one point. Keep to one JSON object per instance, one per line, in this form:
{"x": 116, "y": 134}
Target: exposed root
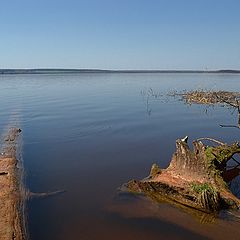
{"x": 211, "y": 140}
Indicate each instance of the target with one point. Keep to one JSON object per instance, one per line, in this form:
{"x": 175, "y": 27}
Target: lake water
{"x": 90, "y": 133}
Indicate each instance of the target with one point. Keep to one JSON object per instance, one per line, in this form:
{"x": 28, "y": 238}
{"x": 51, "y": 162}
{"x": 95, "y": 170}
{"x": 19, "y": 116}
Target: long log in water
{"x": 11, "y": 200}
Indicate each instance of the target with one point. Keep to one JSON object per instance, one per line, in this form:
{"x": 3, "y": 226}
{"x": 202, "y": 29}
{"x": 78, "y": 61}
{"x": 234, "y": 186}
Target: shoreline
{"x": 12, "y": 202}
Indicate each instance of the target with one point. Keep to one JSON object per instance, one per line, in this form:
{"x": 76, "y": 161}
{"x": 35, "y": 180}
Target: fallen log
{"x": 13, "y": 194}
{"x": 12, "y": 222}
{"x": 195, "y": 178}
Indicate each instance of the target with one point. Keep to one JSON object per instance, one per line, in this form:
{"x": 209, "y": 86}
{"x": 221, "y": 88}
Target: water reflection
{"x": 88, "y": 133}
{"x": 139, "y": 207}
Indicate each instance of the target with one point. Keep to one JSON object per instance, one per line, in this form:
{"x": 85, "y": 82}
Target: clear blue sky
{"x": 120, "y": 34}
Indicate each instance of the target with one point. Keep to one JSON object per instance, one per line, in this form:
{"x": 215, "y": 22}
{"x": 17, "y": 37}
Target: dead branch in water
{"x": 229, "y": 99}
{"x": 30, "y": 195}
{"x": 210, "y": 97}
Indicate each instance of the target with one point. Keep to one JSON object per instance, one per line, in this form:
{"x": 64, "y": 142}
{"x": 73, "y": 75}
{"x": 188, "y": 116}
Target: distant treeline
{"x": 58, "y": 71}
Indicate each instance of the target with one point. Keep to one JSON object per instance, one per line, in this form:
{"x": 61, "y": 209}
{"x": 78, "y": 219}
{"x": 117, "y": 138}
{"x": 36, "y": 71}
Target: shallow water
{"x": 89, "y": 133}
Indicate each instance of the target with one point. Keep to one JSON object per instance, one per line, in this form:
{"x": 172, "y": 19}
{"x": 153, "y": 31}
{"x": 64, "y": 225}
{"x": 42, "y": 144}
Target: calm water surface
{"x": 89, "y": 133}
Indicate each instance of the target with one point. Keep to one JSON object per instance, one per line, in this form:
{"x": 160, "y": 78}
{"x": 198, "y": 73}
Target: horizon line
{"x": 96, "y": 70}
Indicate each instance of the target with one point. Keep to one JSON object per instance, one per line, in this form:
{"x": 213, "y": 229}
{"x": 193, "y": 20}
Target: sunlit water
{"x": 89, "y": 133}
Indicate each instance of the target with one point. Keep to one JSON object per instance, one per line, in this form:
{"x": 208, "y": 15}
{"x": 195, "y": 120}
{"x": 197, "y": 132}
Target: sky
{"x": 120, "y": 34}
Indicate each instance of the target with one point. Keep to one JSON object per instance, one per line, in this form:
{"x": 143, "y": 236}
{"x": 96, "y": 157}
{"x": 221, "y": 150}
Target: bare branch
{"x": 229, "y": 126}
{"x": 212, "y": 140}
{"x": 235, "y": 161}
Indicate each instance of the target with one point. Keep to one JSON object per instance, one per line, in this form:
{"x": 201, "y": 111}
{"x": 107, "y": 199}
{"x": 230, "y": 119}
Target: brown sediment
{"x": 195, "y": 178}
{"x": 11, "y": 197}
{"x": 212, "y": 227}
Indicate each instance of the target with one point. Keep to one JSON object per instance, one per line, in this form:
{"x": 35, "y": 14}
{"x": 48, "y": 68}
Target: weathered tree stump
{"x": 196, "y": 178}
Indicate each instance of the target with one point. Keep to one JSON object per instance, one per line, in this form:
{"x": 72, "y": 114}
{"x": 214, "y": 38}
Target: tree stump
{"x": 195, "y": 178}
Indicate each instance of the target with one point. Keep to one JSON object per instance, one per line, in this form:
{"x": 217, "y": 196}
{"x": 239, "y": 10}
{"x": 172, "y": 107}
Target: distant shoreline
{"x": 71, "y": 71}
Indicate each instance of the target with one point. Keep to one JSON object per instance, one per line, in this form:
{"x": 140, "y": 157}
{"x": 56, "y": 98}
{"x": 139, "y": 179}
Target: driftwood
{"x": 195, "y": 178}
{"x": 229, "y": 99}
{"x": 209, "y": 97}
{"x": 12, "y": 221}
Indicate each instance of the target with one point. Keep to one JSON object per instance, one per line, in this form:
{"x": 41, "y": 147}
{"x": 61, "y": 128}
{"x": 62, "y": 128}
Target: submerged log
{"x": 195, "y": 178}
{"x": 13, "y": 194}
{"x": 12, "y": 222}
